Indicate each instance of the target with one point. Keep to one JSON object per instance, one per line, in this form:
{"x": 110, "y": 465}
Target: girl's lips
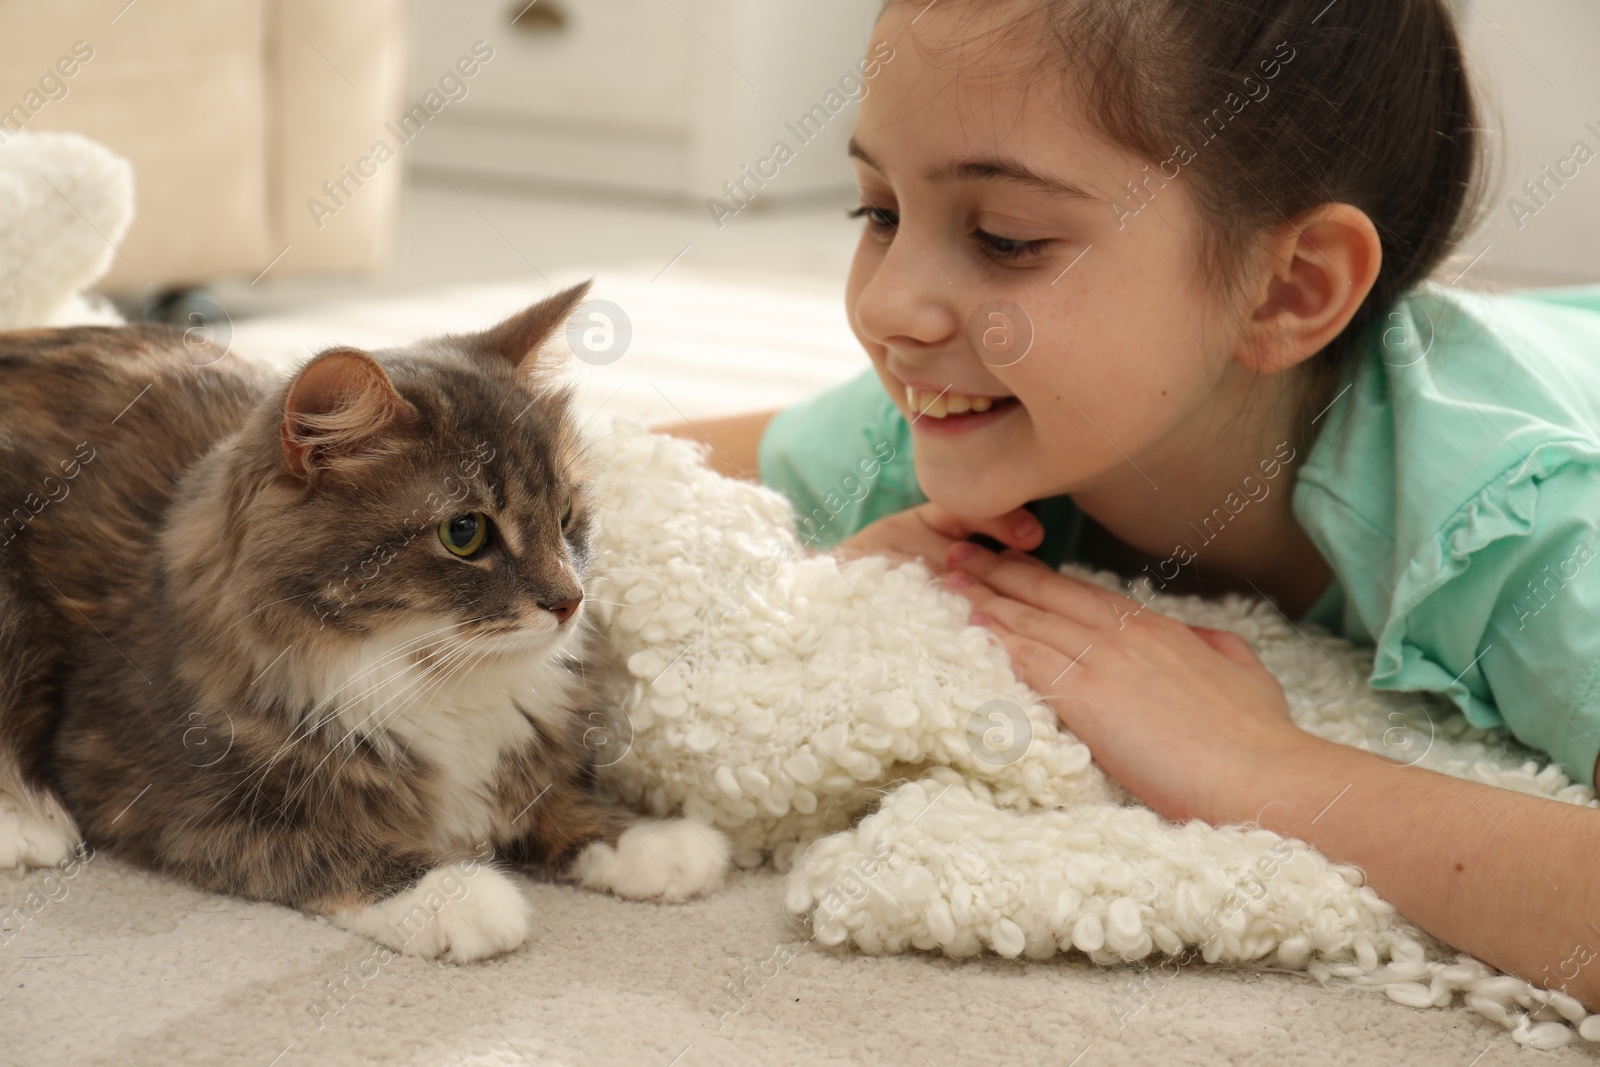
{"x": 954, "y": 425}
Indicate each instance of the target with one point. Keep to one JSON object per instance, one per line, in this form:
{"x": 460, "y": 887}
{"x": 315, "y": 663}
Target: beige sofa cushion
{"x": 232, "y": 112}
{"x": 322, "y": 122}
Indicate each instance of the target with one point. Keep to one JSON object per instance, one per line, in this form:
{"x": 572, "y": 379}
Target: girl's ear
{"x": 336, "y": 407}
{"x": 1319, "y": 269}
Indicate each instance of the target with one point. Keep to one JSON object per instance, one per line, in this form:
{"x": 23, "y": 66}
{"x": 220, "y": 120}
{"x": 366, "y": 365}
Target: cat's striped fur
{"x": 234, "y": 646}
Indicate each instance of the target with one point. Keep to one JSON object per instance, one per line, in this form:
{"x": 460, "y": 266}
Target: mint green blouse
{"x": 1453, "y": 488}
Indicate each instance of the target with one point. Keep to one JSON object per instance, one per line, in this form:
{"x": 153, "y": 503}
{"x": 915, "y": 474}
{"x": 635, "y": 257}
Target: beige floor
{"x": 123, "y": 967}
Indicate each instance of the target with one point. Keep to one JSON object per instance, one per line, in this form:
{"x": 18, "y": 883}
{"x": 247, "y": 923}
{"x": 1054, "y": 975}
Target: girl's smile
{"x": 946, "y": 412}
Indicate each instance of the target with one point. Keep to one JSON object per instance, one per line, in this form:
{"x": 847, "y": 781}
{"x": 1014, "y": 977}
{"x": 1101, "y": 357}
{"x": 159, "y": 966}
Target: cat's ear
{"x": 518, "y": 339}
{"x": 338, "y": 405}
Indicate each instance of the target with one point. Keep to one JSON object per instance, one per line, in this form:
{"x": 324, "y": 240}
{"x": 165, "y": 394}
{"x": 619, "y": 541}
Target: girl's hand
{"x": 928, "y": 531}
{"x": 1183, "y": 716}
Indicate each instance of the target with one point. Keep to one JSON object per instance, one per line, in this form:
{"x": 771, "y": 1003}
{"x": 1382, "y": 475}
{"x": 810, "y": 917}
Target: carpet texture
{"x": 127, "y": 967}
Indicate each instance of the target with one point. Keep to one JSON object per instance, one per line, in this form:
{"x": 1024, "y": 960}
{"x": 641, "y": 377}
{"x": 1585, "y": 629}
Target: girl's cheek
{"x": 1036, "y": 392}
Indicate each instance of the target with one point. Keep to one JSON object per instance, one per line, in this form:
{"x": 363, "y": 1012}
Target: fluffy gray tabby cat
{"x": 316, "y": 642}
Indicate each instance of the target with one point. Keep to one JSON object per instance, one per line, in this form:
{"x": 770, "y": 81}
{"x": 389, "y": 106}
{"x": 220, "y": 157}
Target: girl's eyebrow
{"x": 988, "y": 168}
{"x": 855, "y": 151}
{"x": 1001, "y": 168}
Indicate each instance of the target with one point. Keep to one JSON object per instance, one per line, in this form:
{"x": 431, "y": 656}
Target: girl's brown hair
{"x": 1284, "y": 105}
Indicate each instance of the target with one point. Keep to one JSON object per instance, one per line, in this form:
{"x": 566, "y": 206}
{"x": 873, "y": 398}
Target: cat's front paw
{"x": 453, "y": 913}
{"x": 35, "y": 835}
{"x": 668, "y": 859}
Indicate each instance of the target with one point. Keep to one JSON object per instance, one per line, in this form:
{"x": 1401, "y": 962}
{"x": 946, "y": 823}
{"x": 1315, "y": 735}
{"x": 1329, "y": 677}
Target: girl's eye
{"x": 1006, "y": 249}
{"x": 877, "y": 218}
{"x": 1001, "y": 249}
{"x": 465, "y": 535}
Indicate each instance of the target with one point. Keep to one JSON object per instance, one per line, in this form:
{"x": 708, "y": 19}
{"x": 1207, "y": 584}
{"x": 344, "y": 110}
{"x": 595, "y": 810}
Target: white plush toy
{"x": 780, "y": 694}
{"x": 65, "y": 202}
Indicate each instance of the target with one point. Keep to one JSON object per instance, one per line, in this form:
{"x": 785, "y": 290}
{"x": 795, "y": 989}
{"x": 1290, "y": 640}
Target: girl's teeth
{"x": 939, "y": 405}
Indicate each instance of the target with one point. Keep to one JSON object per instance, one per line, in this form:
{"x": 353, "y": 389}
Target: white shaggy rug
{"x": 778, "y": 693}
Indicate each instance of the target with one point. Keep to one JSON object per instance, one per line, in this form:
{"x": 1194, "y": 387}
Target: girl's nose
{"x": 908, "y": 298}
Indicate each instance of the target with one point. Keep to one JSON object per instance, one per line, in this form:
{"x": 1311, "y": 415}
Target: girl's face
{"x": 1003, "y": 258}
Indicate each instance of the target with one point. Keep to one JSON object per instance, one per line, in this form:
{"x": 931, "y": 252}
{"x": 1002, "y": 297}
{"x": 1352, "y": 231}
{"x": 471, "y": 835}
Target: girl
{"x": 1145, "y": 286}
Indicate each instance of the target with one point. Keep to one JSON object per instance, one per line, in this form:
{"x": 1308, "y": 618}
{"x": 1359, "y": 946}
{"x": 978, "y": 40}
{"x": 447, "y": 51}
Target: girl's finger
{"x": 904, "y": 543}
{"x": 930, "y": 547}
{"x": 1229, "y": 644}
{"x": 1023, "y": 557}
{"x": 970, "y": 587}
{"x": 1046, "y": 628}
{"x": 1082, "y": 602}
{"x": 1017, "y": 528}
{"x": 1047, "y": 671}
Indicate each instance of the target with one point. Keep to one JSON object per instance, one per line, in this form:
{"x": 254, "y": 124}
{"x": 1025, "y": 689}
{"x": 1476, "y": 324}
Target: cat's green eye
{"x": 566, "y": 510}
{"x": 465, "y": 534}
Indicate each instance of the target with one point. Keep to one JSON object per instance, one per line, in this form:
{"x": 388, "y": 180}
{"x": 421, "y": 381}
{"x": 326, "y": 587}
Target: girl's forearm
{"x": 734, "y": 439}
{"x": 1510, "y": 878}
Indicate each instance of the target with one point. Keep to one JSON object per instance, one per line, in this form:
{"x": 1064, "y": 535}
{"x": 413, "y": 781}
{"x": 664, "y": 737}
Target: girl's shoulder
{"x": 1547, "y": 338}
{"x": 1454, "y": 401}
{"x": 842, "y": 457}
{"x": 1458, "y": 461}
{"x": 1452, "y": 389}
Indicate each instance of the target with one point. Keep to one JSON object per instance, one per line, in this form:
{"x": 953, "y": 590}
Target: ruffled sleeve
{"x": 1454, "y": 487}
{"x": 1500, "y": 611}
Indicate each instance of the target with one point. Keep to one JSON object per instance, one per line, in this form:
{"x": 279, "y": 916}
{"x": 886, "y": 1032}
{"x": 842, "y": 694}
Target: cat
{"x": 315, "y": 641}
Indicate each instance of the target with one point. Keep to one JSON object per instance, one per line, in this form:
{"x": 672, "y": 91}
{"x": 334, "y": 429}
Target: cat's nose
{"x": 564, "y": 609}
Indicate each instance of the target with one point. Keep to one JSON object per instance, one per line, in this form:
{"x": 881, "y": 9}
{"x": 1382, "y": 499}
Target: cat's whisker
{"x": 461, "y": 674}
{"x": 311, "y": 724}
{"x": 444, "y": 668}
{"x": 437, "y": 672}
{"x": 536, "y": 666}
{"x": 450, "y": 656}
{"x": 607, "y": 573}
{"x": 423, "y": 678}
{"x": 407, "y": 648}
{"x": 406, "y": 685}
{"x": 588, "y": 441}
{"x": 253, "y": 612}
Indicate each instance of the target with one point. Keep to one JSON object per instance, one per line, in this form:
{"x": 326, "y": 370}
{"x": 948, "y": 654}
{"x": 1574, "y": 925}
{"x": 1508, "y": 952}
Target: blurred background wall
{"x": 297, "y": 150}
{"x": 671, "y": 99}
{"x": 1541, "y": 75}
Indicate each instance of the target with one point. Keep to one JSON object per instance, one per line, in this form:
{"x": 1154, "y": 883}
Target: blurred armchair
{"x": 234, "y": 114}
